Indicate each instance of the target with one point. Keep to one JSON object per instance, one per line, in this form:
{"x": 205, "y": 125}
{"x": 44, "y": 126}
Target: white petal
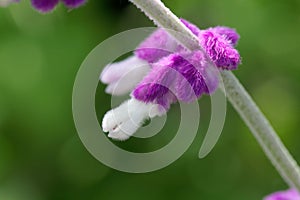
{"x": 123, "y": 121}
{"x": 124, "y": 130}
{"x": 113, "y": 72}
{"x": 128, "y": 80}
{"x": 118, "y": 135}
{"x": 156, "y": 110}
{"x": 115, "y": 117}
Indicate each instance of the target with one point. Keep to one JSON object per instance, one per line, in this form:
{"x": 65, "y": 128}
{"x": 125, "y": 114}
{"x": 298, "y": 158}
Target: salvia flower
{"x": 161, "y": 72}
{"x": 291, "y": 194}
{"x": 4, "y": 3}
{"x": 48, "y": 5}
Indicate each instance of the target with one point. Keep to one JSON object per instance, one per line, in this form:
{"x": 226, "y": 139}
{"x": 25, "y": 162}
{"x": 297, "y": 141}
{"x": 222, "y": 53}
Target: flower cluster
{"x": 48, "y": 5}
{"x": 291, "y": 194}
{"x": 162, "y": 71}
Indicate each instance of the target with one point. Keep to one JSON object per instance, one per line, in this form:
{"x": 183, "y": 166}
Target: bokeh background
{"x": 41, "y": 155}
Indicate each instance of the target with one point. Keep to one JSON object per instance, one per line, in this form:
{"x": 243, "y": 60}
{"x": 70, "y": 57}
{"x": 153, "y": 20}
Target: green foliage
{"x": 41, "y": 156}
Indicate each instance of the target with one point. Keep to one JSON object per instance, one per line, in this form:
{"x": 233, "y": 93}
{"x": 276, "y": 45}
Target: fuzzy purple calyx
{"x": 228, "y": 33}
{"x": 179, "y": 76}
{"x": 291, "y": 194}
{"x": 218, "y": 42}
{"x": 73, "y": 3}
{"x": 220, "y": 50}
{"x": 44, "y": 5}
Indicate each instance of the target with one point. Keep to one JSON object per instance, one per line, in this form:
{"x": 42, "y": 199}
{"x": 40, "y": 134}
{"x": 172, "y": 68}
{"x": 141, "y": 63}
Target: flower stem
{"x": 262, "y": 130}
{"x": 235, "y": 92}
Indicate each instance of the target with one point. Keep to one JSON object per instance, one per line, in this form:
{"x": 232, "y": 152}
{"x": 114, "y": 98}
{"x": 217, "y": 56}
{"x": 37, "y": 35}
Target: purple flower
{"x": 44, "y": 5}
{"x": 186, "y": 75}
{"x": 73, "y": 3}
{"x": 291, "y": 194}
{"x": 48, "y": 5}
{"x": 161, "y": 72}
{"x": 219, "y": 49}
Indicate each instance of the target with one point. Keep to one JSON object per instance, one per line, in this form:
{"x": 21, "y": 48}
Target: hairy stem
{"x": 262, "y": 130}
{"x": 235, "y": 92}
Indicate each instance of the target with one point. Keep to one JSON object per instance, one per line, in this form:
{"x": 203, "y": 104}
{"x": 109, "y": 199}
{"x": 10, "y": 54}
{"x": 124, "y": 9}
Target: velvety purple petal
{"x": 156, "y": 86}
{"x": 220, "y": 51}
{"x": 73, "y": 3}
{"x": 156, "y": 46}
{"x": 197, "y": 77}
{"x": 290, "y": 194}
{"x": 44, "y": 5}
{"x": 229, "y": 33}
{"x": 160, "y": 44}
{"x": 184, "y": 75}
{"x": 190, "y": 26}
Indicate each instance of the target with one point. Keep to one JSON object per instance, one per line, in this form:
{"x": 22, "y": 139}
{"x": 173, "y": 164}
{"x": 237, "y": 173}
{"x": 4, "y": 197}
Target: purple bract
{"x": 291, "y": 194}
{"x": 179, "y": 74}
{"x": 48, "y": 5}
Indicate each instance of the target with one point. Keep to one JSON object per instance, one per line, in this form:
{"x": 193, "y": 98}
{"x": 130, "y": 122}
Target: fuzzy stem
{"x": 235, "y": 92}
{"x": 262, "y": 130}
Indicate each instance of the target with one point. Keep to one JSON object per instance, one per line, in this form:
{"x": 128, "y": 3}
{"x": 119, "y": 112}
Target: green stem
{"x": 235, "y": 92}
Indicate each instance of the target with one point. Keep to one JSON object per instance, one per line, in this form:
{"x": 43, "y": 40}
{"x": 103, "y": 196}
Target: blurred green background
{"x": 41, "y": 155}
